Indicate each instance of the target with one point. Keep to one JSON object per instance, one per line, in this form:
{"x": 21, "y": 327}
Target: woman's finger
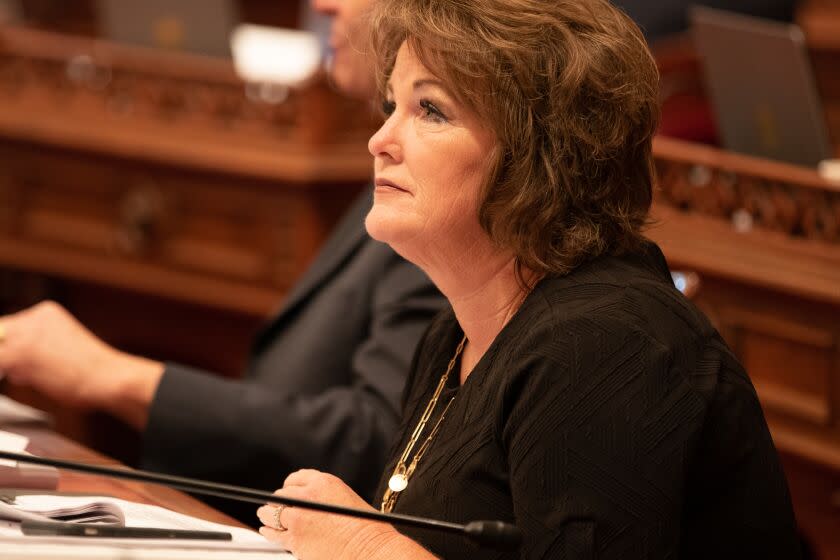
{"x": 266, "y": 515}
{"x": 273, "y": 535}
{"x": 301, "y": 477}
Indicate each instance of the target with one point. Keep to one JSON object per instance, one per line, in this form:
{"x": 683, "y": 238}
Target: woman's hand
{"x": 312, "y": 535}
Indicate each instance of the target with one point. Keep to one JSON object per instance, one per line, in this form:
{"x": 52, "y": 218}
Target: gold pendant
{"x": 398, "y": 482}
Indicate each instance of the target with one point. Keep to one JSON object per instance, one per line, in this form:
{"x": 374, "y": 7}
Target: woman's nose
{"x": 385, "y": 142}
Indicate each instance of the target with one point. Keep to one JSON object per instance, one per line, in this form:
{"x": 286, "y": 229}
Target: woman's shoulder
{"x": 613, "y": 311}
{"x": 616, "y": 295}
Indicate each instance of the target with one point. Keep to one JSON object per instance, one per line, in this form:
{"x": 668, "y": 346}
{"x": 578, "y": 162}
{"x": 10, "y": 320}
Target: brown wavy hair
{"x": 570, "y": 89}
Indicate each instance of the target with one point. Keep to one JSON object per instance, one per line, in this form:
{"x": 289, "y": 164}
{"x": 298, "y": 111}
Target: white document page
{"x": 12, "y": 412}
{"x": 140, "y": 515}
{"x": 66, "y": 548}
{"x": 136, "y": 514}
{"x": 12, "y": 442}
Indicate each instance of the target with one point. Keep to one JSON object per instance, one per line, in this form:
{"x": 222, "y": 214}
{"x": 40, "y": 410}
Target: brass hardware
{"x": 142, "y": 213}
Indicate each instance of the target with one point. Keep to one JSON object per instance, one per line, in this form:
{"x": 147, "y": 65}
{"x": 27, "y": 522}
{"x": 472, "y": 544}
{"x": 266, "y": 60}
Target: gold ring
{"x": 277, "y": 524}
{"x": 2, "y": 332}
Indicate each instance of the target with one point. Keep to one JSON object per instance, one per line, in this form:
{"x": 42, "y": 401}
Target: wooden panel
{"x": 813, "y": 489}
{"x": 114, "y": 221}
{"x": 776, "y": 352}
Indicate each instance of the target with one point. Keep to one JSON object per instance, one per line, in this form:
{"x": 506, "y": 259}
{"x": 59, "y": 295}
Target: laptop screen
{"x": 762, "y": 87}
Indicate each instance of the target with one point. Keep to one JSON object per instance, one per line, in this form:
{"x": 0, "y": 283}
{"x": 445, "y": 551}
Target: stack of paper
{"x": 117, "y": 550}
{"x": 13, "y": 412}
{"x": 20, "y": 508}
{"x": 15, "y": 545}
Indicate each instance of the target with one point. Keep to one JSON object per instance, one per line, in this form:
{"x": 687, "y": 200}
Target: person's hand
{"x": 312, "y": 535}
{"x": 46, "y": 348}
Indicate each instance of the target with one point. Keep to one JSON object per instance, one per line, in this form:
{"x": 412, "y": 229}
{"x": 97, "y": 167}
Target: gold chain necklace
{"x": 402, "y": 473}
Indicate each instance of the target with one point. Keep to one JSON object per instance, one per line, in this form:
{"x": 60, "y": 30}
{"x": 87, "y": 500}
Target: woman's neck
{"x": 485, "y": 293}
{"x": 484, "y": 313}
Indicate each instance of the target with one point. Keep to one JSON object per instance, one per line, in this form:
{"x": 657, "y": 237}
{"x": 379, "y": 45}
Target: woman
{"x": 570, "y": 389}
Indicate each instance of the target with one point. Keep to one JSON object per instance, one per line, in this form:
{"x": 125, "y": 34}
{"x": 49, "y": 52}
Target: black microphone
{"x": 489, "y": 534}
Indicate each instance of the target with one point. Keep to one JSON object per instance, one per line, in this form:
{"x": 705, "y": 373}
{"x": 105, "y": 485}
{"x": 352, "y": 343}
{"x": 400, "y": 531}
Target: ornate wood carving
{"x": 176, "y": 107}
{"x": 738, "y": 192}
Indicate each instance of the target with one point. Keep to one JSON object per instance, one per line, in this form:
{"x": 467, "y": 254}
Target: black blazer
{"x": 323, "y": 384}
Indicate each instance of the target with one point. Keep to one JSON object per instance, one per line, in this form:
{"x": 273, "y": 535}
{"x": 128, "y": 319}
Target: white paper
{"x": 12, "y": 412}
{"x": 141, "y": 515}
{"x": 80, "y": 548}
{"x": 105, "y": 511}
{"x": 15, "y": 443}
{"x": 137, "y": 515}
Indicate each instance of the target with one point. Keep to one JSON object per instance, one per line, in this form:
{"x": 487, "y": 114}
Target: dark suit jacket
{"x": 323, "y": 385}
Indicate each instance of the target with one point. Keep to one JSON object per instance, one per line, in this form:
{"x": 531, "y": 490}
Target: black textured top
{"x": 607, "y": 420}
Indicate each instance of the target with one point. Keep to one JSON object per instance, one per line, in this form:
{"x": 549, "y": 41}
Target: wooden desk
{"x": 46, "y": 442}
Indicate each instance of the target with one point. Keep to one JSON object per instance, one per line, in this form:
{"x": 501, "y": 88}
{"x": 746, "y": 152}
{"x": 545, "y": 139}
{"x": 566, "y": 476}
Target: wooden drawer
{"x": 790, "y": 363}
{"x": 159, "y": 216}
{"x": 192, "y": 235}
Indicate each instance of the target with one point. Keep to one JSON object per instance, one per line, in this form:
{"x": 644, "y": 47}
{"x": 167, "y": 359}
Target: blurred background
{"x": 168, "y": 190}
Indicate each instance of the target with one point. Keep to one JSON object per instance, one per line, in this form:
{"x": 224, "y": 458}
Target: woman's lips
{"x": 385, "y": 183}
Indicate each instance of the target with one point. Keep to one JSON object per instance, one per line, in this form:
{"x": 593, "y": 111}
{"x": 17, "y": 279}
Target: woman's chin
{"x": 387, "y": 226}
{"x": 379, "y": 227}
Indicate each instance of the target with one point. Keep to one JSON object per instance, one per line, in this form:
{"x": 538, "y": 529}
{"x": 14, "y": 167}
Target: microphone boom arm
{"x": 492, "y": 534}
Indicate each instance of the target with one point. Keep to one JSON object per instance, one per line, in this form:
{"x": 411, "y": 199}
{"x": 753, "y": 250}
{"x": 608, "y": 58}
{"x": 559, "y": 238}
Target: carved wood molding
{"x": 745, "y": 220}
{"x": 176, "y": 107}
{"x": 747, "y": 192}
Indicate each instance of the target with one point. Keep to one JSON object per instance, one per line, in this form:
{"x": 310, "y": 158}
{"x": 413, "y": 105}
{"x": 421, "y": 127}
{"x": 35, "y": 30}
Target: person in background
{"x": 325, "y": 375}
{"x": 569, "y": 389}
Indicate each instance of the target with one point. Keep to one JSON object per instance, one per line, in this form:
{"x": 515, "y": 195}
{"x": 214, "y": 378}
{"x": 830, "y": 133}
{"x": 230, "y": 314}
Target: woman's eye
{"x": 431, "y": 112}
{"x": 388, "y": 108}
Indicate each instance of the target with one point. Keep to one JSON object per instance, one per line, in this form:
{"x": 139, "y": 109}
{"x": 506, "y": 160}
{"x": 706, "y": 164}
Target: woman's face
{"x": 431, "y": 157}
